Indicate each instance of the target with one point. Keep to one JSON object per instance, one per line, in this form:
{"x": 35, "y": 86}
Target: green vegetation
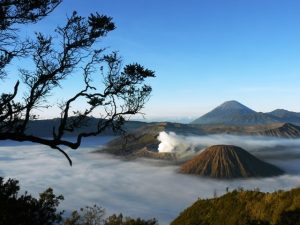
{"x": 24, "y": 209}
{"x": 95, "y": 216}
{"x": 16, "y": 209}
{"x": 244, "y": 208}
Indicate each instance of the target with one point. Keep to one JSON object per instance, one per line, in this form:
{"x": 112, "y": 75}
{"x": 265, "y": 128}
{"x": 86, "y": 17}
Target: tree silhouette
{"x": 16, "y": 209}
{"x": 112, "y": 91}
{"x": 121, "y": 220}
{"x": 23, "y": 209}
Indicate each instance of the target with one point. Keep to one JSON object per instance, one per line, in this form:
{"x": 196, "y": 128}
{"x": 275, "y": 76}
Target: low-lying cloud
{"x": 136, "y": 188}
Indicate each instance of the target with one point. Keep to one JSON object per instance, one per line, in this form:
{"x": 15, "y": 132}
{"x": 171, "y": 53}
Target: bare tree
{"x": 71, "y": 49}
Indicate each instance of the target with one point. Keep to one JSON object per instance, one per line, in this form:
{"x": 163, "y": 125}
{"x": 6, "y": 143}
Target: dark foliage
{"x": 290, "y": 217}
{"x": 86, "y": 216}
{"x": 16, "y": 209}
{"x": 95, "y": 216}
{"x": 14, "y": 12}
{"x": 115, "y": 93}
{"x": 120, "y": 220}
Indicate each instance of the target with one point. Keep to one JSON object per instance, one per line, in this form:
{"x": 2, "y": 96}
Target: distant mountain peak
{"x": 280, "y": 110}
{"x": 233, "y": 113}
{"x": 233, "y": 104}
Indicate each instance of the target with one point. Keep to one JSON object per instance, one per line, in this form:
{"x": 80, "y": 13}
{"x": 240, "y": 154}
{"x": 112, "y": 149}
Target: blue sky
{"x": 204, "y": 52}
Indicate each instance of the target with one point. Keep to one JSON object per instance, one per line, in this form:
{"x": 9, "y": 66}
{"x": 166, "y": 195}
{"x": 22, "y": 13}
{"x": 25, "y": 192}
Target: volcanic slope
{"x": 227, "y": 162}
{"x": 143, "y": 142}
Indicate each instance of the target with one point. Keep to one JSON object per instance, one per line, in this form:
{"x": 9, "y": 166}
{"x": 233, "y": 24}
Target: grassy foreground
{"x": 244, "y": 208}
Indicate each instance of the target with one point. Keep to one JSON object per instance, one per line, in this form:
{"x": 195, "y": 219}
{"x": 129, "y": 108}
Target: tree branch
{"x": 116, "y": 94}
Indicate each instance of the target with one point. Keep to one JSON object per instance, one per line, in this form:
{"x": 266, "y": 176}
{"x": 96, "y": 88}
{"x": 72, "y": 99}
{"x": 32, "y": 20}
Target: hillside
{"x": 286, "y": 130}
{"x": 228, "y": 161}
{"x": 244, "y": 208}
{"x": 282, "y": 130}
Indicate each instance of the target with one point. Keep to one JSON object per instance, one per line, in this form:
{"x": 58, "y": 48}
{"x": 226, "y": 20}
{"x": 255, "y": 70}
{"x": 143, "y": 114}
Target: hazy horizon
{"x": 176, "y": 119}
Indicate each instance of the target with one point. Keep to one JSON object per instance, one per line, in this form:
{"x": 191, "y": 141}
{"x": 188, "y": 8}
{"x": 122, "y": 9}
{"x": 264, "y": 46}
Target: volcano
{"x": 235, "y": 113}
{"x": 228, "y": 161}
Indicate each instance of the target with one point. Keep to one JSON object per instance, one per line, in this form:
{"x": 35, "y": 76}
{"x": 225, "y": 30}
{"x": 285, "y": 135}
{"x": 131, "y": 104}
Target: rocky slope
{"x": 228, "y": 161}
{"x": 146, "y": 153}
{"x": 286, "y": 130}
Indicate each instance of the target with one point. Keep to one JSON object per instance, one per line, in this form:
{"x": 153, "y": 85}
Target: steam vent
{"x": 228, "y": 161}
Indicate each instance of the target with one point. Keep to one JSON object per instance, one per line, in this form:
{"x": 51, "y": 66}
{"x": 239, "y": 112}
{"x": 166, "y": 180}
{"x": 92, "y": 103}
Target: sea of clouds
{"x": 140, "y": 188}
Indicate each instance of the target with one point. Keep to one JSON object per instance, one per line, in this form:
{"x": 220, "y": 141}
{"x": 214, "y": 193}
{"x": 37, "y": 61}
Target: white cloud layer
{"x": 139, "y": 188}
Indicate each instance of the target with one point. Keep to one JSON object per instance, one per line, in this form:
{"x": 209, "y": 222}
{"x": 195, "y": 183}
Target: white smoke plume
{"x": 171, "y": 142}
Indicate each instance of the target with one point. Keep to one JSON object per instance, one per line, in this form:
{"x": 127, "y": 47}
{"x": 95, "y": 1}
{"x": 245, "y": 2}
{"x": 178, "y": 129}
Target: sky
{"x": 204, "y": 52}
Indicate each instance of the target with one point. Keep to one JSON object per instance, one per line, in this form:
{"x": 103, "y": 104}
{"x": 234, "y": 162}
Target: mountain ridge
{"x": 234, "y": 113}
{"x": 286, "y": 130}
{"x": 286, "y": 116}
